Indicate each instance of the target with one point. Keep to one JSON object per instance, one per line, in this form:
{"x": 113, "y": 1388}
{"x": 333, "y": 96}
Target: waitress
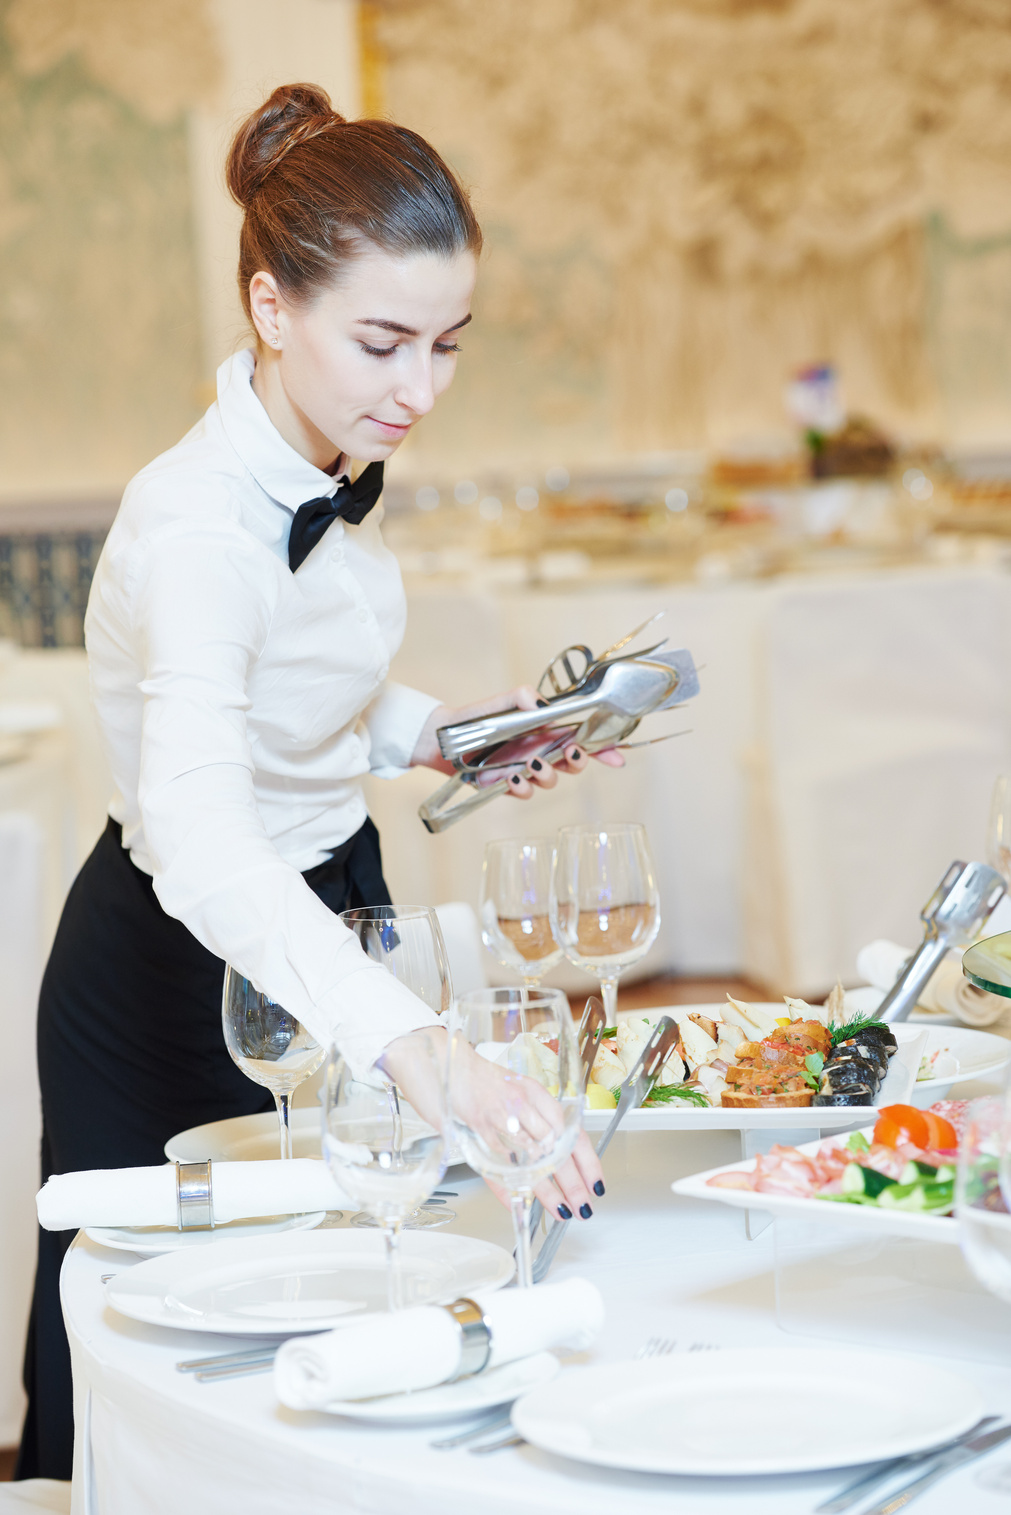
{"x": 240, "y": 629}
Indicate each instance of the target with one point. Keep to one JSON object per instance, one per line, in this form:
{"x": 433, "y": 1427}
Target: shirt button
{"x": 336, "y": 555}
{"x": 363, "y": 615}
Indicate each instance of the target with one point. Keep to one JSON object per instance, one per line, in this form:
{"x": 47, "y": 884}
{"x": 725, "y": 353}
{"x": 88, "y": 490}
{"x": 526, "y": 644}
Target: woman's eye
{"x": 379, "y": 352}
{"x": 447, "y": 347}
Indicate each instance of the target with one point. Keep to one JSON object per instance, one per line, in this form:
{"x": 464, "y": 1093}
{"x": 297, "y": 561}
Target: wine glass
{"x": 388, "y": 1164}
{"x": 268, "y": 1044}
{"x": 998, "y": 834}
{"x": 515, "y": 1126}
{"x": 605, "y": 908}
{"x": 408, "y": 942}
{"x": 515, "y": 919}
{"x": 982, "y": 1187}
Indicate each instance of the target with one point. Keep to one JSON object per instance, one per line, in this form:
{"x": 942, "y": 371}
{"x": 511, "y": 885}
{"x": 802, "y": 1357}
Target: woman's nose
{"x": 416, "y": 391}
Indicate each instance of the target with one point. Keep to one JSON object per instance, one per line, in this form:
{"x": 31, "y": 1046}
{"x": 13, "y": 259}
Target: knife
{"x": 956, "y": 1458}
{"x": 591, "y": 1031}
{"x": 632, "y": 1093}
{"x": 855, "y": 1492}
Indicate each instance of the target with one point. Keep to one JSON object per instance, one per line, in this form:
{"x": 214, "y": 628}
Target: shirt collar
{"x": 282, "y": 472}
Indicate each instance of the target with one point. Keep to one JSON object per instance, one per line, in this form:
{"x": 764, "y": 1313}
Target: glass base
{"x": 419, "y": 1220}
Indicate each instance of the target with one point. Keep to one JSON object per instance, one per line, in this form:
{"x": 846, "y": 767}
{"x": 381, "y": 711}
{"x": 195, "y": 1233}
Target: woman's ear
{"x": 267, "y": 309}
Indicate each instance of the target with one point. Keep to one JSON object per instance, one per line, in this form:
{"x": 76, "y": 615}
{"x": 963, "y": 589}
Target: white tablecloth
{"x": 152, "y": 1439}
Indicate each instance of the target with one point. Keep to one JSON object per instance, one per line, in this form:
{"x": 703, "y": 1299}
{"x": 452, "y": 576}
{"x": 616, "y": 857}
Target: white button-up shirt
{"x": 240, "y": 703}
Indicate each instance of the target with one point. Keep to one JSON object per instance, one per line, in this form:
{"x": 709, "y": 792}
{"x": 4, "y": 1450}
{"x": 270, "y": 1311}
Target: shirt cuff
{"x": 394, "y": 722}
{"x": 368, "y": 1010}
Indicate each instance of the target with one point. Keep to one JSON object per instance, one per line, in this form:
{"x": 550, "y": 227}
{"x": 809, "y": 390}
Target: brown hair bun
{"x": 316, "y": 189}
{"x": 292, "y": 114}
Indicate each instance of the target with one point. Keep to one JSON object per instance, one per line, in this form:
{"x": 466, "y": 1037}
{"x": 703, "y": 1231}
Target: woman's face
{"x": 354, "y": 369}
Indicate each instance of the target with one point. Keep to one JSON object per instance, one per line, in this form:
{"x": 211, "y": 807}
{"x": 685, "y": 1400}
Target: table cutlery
{"x": 632, "y": 1093}
{"x": 591, "y": 1031}
{"x": 238, "y": 1370}
{"x": 512, "y": 1440}
{"x": 490, "y": 1423}
{"x": 854, "y": 1492}
{"x": 264, "y": 1353}
{"x": 949, "y": 1461}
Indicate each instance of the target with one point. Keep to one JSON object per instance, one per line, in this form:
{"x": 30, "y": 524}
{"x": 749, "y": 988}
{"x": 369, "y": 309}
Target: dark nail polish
{"x": 537, "y": 765}
{"x": 515, "y": 779}
{"x": 585, "y": 1211}
{"x": 565, "y": 1212}
{"x": 576, "y": 754}
{"x": 541, "y": 702}
{"x": 598, "y": 1188}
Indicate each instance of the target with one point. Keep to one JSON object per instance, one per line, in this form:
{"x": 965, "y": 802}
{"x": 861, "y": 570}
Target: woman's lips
{"x": 391, "y": 427}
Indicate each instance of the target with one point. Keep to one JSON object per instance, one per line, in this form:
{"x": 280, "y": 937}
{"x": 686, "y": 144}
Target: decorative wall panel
{"x": 684, "y": 199}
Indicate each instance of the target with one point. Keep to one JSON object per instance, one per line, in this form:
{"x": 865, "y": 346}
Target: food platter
{"x": 864, "y": 1219}
{"x": 897, "y": 1088}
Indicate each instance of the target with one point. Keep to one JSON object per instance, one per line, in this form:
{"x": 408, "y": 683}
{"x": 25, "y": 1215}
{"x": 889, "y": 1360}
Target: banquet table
{"x": 152, "y": 1439}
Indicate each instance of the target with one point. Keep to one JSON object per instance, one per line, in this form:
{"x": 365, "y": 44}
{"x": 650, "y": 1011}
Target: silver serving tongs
{"x": 633, "y": 1091}
{"x": 952, "y": 917}
{"x": 597, "y": 703}
{"x": 589, "y": 1038}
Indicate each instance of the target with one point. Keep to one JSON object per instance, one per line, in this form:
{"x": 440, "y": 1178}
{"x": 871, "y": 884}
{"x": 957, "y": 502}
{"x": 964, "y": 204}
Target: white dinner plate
{"x": 748, "y": 1412}
{"x": 867, "y": 1218}
{"x": 254, "y": 1138}
{"x": 151, "y": 1241}
{"x": 962, "y": 1054}
{"x": 247, "y": 1138}
{"x": 282, "y": 1285}
{"x": 896, "y": 1089}
{"x": 448, "y": 1400}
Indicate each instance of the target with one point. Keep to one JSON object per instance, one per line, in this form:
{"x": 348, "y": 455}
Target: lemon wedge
{"x": 599, "y": 1098}
{"x": 784, "y": 1020}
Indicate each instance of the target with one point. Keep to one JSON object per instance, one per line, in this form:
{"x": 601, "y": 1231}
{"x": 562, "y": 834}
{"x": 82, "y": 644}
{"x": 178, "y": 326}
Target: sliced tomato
{"x": 902, "y": 1123}
{"x": 941, "y": 1134}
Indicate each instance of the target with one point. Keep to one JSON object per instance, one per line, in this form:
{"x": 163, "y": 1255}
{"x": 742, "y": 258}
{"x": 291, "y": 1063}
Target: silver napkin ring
{"x": 475, "y": 1337}
{"x": 194, "y": 1200}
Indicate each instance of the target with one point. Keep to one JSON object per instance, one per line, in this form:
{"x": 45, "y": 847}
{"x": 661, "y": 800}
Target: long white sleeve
{"x": 203, "y": 608}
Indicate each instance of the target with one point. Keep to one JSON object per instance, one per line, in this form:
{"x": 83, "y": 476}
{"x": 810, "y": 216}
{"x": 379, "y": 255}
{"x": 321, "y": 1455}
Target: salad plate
{"x": 792, "y": 1411}
{"x": 862, "y": 1218}
{"x": 954, "y": 1055}
{"x": 284, "y": 1285}
{"x": 468, "y": 1396}
{"x": 253, "y": 1138}
{"x": 152, "y": 1241}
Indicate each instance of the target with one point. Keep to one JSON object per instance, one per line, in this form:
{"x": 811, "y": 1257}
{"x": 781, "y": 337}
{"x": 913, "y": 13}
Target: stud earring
{"x": 276, "y": 341}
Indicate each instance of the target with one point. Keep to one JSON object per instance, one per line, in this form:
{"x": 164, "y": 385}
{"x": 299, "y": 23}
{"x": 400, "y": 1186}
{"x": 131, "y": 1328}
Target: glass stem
{"x": 394, "y": 1272}
{"x": 519, "y": 1204}
{"x": 398, "y": 1123}
{"x": 283, "y": 1103}
{"x": 609, "y": 994}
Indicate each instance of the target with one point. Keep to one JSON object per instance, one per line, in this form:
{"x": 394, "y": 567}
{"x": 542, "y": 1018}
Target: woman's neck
{"x": 292, "y": 424}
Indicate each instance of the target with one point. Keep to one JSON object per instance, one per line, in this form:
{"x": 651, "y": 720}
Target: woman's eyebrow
{"x": 404, "y": 331}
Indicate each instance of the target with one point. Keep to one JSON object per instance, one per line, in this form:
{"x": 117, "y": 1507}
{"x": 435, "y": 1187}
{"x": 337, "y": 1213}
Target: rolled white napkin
{"x": 417, "y": 1349}
{"x": 147, "y": 1196}
{"x": 949, "y": 992}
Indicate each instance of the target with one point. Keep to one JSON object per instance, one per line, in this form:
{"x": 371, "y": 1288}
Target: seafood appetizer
{"x": 906, "y": 1162}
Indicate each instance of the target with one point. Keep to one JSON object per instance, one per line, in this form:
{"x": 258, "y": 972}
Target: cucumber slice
{"x": 919, "y": 1196}
{"x": 865, "y": 1181}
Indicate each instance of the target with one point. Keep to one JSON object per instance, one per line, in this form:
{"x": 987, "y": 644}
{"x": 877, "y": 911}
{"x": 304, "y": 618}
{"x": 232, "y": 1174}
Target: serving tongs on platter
{"x": 952, "y": 917}
{"x": 590, "y": 702}
{"x": 632, "y": 1092}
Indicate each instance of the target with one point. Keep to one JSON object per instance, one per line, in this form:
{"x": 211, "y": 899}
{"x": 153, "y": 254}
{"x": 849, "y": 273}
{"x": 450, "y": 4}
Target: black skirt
{"x": 131, "y": 1052}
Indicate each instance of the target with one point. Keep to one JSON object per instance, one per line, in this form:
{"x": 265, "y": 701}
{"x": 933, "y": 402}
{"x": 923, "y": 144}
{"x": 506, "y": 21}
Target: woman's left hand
{"x": 523, "y": 776}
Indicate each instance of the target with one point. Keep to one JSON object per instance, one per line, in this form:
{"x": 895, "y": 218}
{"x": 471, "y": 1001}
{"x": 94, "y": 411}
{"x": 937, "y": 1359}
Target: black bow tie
{"x": 352, "y": 502}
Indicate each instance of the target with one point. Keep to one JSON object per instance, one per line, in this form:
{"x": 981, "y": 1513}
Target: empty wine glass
{"x": 982, "y": 1186}
{"x": 515, "y": 1123}
{"x": 605, "y": 908}
{"x": 514, "y": 907}
{"x": 998, "y": 835}
{"x": 408, "y": 942}
{"x": 388, "y": 1164}
{"x": 270, "y": 1046}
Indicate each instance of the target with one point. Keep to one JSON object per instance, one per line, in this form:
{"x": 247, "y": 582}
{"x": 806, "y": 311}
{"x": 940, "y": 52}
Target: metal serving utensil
{"x": 589, "y": 1037}
{"x": 596, "y": 703}
{"x": 955, "y": 913}
{"x": 855, "y": 1492}
{"x": 633, "y": 1091}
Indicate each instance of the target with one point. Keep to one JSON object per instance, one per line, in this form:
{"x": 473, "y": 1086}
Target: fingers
{"x": 588, "y": 1163}
{"x": 573, "y": 1192}
{"x": 610, "y": 757}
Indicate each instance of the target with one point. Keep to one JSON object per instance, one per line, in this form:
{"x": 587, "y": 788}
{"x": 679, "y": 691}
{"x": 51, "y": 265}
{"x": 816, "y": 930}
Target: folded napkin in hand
{"x": 147, "y": 1196}
{"x": 417, "y": 1349}
{"x": 949, "y": 992}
